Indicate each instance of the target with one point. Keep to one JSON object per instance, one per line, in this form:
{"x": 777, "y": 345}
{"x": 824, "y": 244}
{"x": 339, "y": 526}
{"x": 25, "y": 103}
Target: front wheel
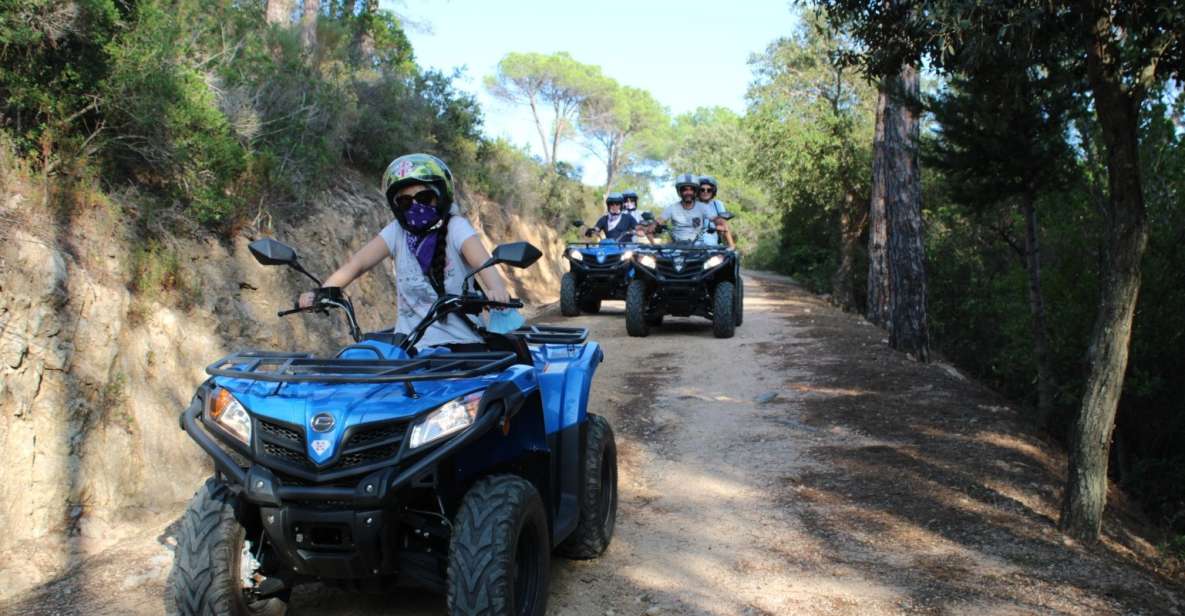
{"x": 500, "y": 554}
{"x": 215, "y": 564}
{"x": 598, "y": 493}
{"x": 636, "y": 323}
{"x": 723, "y": 302}
{"x": 568, "y": 305}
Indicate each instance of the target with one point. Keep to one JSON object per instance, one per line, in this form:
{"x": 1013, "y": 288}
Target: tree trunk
{"x": 347, "y": 8}
{"x": 539, "y": 127}
{"x": 1126, "y": 237}
{"x": 1032, "y": 258}
{"x": 851, "y": 224}
{"x": 365, "y": 35}
{"x": 278, "y": 11}
{"x": 908, "y": 330}
{"x": 308, "y": 23}
{"x": 878, "y": 267}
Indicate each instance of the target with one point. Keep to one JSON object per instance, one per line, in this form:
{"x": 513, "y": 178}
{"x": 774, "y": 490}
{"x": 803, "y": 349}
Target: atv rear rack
{"x": 305, "y": 368}
{"x": 552, "y": 334}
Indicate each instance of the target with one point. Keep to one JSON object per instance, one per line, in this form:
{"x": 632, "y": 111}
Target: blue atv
{"x": 596, "y": 272}
{"x": 389, "y": 465}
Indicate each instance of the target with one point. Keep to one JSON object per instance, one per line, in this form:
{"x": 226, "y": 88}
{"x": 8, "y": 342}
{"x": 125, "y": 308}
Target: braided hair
{"x": 436, "y": 272}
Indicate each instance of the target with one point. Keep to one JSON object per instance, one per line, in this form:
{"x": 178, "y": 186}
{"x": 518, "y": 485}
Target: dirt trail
{"x": 798, "y": 468}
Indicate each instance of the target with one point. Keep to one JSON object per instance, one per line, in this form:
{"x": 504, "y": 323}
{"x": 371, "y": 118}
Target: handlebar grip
{"x": 284, "y": 313}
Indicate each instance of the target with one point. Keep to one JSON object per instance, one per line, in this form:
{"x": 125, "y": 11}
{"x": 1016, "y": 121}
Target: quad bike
{"x": 388, "y": 464}
{"x": 685, "y": 279}
{"x": 597, "y": 271}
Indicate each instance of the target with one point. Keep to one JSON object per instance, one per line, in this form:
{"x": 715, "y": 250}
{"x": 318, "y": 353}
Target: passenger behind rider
{"x": 688, "y": 218}
{"x": 707, "y": 195}
{"x": 434, "y": 247}
{"x": 615, "y": 224}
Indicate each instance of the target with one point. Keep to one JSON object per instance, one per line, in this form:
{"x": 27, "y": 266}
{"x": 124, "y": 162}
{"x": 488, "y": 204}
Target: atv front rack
{"x": 552, "y": 334}
{"x": 305, "y": 368}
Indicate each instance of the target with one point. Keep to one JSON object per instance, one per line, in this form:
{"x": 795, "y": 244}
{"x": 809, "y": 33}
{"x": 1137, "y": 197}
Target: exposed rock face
{"x": 92, "y": 378}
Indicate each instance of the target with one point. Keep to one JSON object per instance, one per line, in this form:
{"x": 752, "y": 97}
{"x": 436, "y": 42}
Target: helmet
{"x": 419, "y": 169}
{"x": 614, "y": 198}
{"x": 707, "y": 179}
{"x": 686, "y": 179}
{"x": 629, "y": 194}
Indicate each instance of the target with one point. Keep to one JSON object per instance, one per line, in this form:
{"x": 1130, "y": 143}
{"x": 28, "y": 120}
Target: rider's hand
{"x": 305, "y": 300}
{"x": 588, "y": 233}
{"x": 498, "y": 295}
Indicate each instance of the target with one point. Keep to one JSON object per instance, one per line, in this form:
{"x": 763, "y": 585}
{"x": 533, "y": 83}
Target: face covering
{"x": 419, "y": 219}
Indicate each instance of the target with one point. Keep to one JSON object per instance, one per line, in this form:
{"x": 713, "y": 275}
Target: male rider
{"x": 615, "y": 225}
{"x": 688, "y": 218}
{"x": 707, "y": 196}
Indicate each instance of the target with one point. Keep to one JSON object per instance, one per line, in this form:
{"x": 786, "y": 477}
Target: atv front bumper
{"x": 338, "y": 531}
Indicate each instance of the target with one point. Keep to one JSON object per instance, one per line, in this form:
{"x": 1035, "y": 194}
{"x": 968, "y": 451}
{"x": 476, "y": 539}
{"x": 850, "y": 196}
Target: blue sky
{"x": 688, "y": 53}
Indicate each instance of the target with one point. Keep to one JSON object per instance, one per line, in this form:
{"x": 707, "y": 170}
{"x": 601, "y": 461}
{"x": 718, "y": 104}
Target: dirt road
{"x": 798, "y": 468}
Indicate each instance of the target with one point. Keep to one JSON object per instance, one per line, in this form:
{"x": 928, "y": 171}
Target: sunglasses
{"x": 427, "y": 197}
{"x": 708, "y": 190}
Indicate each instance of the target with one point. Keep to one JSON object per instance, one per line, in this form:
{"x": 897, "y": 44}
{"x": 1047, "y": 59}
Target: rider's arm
{"x": 474, "y": 252}
{"x": 359, "y": 263}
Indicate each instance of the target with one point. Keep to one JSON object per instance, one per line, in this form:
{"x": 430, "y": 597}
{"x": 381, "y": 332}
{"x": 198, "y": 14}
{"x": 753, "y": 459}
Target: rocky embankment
{"x": 92, "y": 375}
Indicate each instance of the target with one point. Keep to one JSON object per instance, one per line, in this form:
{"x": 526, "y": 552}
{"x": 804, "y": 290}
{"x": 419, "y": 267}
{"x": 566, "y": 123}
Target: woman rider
{"x": 434, "y": 248}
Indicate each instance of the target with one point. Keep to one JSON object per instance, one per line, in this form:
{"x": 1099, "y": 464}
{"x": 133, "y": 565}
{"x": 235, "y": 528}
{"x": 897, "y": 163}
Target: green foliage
{"x": 625, "y": 127}
{"x": 509, "y": 176}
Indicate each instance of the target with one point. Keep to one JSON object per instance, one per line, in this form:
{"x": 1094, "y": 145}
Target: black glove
{"x": 588, "y": 233}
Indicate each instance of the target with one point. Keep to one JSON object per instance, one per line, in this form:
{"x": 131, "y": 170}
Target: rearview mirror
{"x": 270, "y": 252}
{"x": 647, "y": 216}
{"x": 577, "y": 223}
{"x": 727, "y": 215}
{"x": 518, "y": 254}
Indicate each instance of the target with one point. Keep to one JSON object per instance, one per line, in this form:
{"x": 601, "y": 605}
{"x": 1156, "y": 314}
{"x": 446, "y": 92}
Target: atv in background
{"x": 684, "y": 279}
{"x": 596, "y": 272}
{"x": 388, "y": 464}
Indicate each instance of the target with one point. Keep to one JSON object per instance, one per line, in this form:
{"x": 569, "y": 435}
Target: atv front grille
{"x": 681, "y": 268}
{"x": 365, "y": 446}
{"x": 609, "y": 264}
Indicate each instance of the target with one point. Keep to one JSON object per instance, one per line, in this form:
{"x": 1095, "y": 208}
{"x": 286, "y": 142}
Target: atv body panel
{"x": 329, "y": 474}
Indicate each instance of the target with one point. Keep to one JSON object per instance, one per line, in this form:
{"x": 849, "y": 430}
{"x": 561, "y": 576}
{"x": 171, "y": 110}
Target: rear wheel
{"x": 635, "y": 309}
{"x": 215, "y": 564}
{"x": 723, "y": 320}
{"x": 740, "y": 307}
{"x": 589, "y": 305}
{"x": 500, "y": 553}
{"x": 598, "y": 496}
{"x": 568, "y": 305}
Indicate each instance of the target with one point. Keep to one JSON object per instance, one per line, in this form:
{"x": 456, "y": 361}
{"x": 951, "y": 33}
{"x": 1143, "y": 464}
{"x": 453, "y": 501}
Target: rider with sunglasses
{"x": 706, "y": 195}
{"x": 688, "y": 218}
{"x": 614, "y": 225}
{"x": 434, "y": 248}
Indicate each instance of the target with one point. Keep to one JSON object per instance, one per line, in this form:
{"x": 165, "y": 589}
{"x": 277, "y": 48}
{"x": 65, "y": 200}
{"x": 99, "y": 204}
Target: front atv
{"x": 596, "y": 272}
{"x": 387, "y": 464}
{"x": 685, "y": 279}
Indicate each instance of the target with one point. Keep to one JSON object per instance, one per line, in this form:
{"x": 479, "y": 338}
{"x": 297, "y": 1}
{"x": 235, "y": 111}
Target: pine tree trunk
{"x": 347, "y": 8}
{"x": 278, "y": 11}
{"x": 908, "y": 331}
{"x": 878, "y": 266}
{"x": 308, "y": 23}
{"x": 1126, "y": 237}
{"x": 851, "y": 223}
{"x": 1045, "y": 384}
{"x": 365, "y": 35}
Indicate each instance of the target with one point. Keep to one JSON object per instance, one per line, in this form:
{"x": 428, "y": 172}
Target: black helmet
{"x": 707, "y": 179}
{"x": 613, "y": 197}
{"x": 686, "y": 179}
{"x": 629, "y": 195}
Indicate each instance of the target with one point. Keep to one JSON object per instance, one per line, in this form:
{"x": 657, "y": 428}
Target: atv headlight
{"x": 648, "y": 261}
{"x": 627, "y": 255}
{"x": 713, "y": 261}
{"x": 575, "y": 255}
{"x": 230, "y": 415}
{"x": 454, "y": 416}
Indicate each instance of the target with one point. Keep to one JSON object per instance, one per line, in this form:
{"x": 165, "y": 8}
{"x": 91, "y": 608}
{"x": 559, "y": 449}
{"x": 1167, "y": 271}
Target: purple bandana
{"x": 419, "y": 220}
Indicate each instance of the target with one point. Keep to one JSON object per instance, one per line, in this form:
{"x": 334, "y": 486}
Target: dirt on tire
{"x": 800, "y": 467}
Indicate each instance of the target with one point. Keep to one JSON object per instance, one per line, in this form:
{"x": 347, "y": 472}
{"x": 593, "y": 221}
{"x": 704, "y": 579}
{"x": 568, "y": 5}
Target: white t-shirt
{"x": 415, "y": 292}
{"x": 687, "y": 223}
{"x": 716, "y": 208}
